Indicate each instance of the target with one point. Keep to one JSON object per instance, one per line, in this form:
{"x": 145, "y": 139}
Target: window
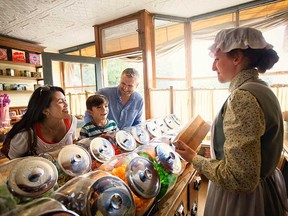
{"x": 114, "y": 67}
{"x": 79, "y": 77}
{"x": 120, "y": 37}
{"x": 170, "y": 54}
{"x": 278, "y": 75}
{"x": 203, "y": 34}
{"x": 207, "y": 93}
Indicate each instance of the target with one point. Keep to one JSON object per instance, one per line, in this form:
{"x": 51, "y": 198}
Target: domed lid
{"x": 109, "y": 195}
{"x": 140, "y": 134}
{"x": 85, "y": 143}
{"x": 32, "y": 177}
{"x": 143, "y": 178}
{"x": 101, "y": 149}
{"x": 74, "y": 160}
{"x": 161, "y": 124}
{"x": 170, "y": 122}
{"x": 125, "y": 140}
{"x": 176, "y": 119}
{"x": 168, "y": 158}
{"x": 153, "y": 129}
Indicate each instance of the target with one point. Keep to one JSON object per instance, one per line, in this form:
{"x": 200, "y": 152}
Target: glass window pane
{"x": 201, "y": 61}
{"x": 263, "y": 12}
{"x": 208, "y": 83}
{"x": 72, "y": 74}
{"x": 171, "y": 65}
{"x": 278, "y": 38}
{"x": 170, "y": 52}
{"x": 275, "y": 78}
{"x": 76, "y": 53}
{"x": 89, "y": 89}
{"x": 76, "y": 90}
{"x": 114, "y": 68}
{"x": 88, "y": 74}
{"x": 120, "y": 37}
{"x": 88, "y": 51}
{"x": 270, "y": 20}
{"x": 73, "y": 90}
{"x": 203, "y": 34}
{"x": 179, "y": 84}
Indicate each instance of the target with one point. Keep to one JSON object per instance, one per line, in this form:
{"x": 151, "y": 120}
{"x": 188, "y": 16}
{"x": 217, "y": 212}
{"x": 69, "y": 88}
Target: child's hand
{"x": 185, "y": 151}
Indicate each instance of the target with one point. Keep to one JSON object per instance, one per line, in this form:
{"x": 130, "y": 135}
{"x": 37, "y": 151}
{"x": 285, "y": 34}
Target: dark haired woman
{"x": 46, "y": 126}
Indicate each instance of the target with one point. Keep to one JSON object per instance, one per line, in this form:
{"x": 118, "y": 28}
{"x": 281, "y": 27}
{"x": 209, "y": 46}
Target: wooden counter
{"x": 182, "y": 199}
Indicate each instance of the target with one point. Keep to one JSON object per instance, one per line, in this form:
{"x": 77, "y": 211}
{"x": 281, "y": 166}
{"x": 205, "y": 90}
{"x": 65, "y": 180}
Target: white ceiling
{"x": 59, "y": 24}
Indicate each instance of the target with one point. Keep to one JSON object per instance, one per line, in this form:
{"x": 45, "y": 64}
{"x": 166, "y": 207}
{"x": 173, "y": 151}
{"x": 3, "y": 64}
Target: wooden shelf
{"x": 16, "y": 91}
{"x": 21, "y": 77}
{"x": 179, "y": 195}
{"x": 21, "y": 45}
{"x": 20, "y": 64}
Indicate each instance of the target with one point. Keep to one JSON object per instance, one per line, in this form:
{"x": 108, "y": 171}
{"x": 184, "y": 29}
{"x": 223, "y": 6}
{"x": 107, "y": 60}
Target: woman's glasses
{"x": 44, "y": 88}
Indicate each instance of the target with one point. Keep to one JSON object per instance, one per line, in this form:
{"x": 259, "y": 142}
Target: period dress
{"x": 247, "y": 140}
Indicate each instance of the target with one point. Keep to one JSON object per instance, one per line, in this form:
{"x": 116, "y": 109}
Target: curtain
{"x": 69, "y": 72}
{"x": 205, "y": 102}
{"x": 281, "y": 91}
{"x": 182, "y": 105}
{"x": 77, "y": 103}
{"x": 160, "y": 102}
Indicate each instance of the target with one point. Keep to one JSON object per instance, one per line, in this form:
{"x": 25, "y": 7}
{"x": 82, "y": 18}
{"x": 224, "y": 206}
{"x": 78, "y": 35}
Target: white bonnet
{"x": 239, "y": 38}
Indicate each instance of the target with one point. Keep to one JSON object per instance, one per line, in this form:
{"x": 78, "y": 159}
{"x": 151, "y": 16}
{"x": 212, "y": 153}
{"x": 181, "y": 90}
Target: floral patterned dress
{"x": 247, "y": 140}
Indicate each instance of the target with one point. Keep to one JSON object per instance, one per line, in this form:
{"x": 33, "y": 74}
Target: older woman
{"x": 247, "y": 134}
{"x": 45, "y": 127}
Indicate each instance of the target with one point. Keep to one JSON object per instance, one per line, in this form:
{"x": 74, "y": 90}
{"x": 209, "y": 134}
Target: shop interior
{"x": 81, "y": 49}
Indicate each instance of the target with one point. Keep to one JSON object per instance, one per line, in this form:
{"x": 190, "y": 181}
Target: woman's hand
{"x": 185, "y": 151}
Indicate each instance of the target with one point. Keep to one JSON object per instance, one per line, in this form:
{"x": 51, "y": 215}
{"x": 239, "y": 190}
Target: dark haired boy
{"x": 97, "y": 107}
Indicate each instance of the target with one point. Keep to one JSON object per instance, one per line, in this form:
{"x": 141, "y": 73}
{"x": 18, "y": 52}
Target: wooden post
{"x": 171, "y": 100}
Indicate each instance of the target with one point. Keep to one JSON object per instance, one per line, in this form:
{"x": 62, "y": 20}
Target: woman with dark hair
{"x": 247, "y": 134}
{"x": 45, "y": 127}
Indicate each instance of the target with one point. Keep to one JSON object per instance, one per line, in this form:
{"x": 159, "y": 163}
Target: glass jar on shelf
{"x": 141, "y": 176}
{"x": 72, "y": 160}
{"x": 140, "y": 134}
{"x": 101, "y": 150}
{"x": 96, "y": 193}
{"x": 166, "y": 161}
{"x": 153, "y": 129}
{"x": 40, "y": 207}
{"x": 125, "y": 141}
{"x": 172, "y": 121}
{"x": 162, "y": 125}
{"x": 31, "y": 178}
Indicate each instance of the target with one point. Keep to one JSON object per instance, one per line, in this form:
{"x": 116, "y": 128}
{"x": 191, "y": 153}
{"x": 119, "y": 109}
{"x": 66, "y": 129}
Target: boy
{"x": 97, "y": 107}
